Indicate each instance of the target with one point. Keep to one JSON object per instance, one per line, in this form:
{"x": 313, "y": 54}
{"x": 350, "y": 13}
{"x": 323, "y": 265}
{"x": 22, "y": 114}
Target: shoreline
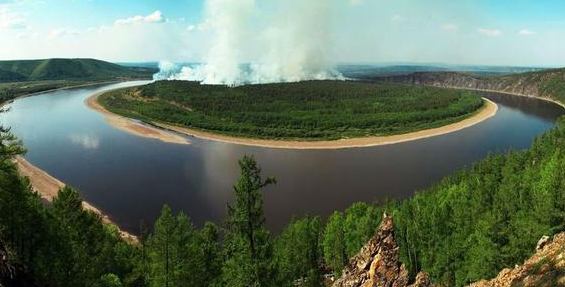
{"x": 486, "y": 112}
{"x": 48, "y": 187}
{"x": 132, "y": 127}
{"x": 506, "y": 93}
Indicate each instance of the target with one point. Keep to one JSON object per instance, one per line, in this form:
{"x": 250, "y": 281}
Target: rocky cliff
{"x": 377, "y": 263}
{"x": 545, "y": 268}
{"x": 548, "y": 84}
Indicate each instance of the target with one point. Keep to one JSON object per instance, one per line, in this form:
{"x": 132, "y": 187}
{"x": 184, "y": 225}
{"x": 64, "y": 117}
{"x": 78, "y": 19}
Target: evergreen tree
{"x": 297, "y": 253}
{"x": 247, "y": 244}
{"x": 334, "y": 243}
{"x": 209, "y": 242}
{"x": 161, "y": 249}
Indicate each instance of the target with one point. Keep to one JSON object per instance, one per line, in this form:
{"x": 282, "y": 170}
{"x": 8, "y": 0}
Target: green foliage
{"x": 177, "y": 253}
{"x": 466, "y": 227}
{"x": 110, "y": 280}
{"x": 361, "y": 221}
{"x": 247, "y": 243}
{"x": 298, "y": 254}
{"x": 487, "y": 217}
{"x": 313, "y": 110}
{"x": 334, "y": 243}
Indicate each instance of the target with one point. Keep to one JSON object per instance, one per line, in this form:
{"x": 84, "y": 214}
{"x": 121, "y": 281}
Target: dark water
{"x": 130, "y": 177}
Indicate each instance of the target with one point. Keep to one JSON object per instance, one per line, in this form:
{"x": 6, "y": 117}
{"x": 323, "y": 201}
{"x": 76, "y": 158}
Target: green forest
{"x": 466, "y": 227}
{"x": 312, "y": 110}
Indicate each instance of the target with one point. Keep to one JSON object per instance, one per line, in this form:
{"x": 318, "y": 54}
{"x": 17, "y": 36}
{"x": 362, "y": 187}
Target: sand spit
{"x": 488, "y": 111}
{"x": 133, "y": 127}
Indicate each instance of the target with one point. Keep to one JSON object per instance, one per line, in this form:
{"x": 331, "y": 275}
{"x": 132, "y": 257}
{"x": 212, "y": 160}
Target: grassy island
{"x": 306, "y": 111}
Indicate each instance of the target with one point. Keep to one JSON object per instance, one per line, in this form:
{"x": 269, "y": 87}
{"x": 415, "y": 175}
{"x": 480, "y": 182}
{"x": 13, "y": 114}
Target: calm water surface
{"x": 131, "y": 177}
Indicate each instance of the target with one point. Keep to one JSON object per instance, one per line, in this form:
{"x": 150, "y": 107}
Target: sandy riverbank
{"x": 488, "y": 111}
{"x": 47, "y": 186}
{"x": 132, "y": 127}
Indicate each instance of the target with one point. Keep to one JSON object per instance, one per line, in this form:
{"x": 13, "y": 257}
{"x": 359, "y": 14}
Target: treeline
{"x": 312, "y": 110}
{"x": 467, "y": 227}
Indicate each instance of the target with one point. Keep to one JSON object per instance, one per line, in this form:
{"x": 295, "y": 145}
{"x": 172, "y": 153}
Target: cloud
{"x": 63, "y": 32}
{"x": 526, "y": 32}
{"x": 155, "y": 17}
{"x": 489, "y": 32}
{"x": 190, "y": 28}
{"x": 396, "y": 18}
{"x": 11, "y": 20}
{"x": 86, "y": 141}
{"x": 450, "y": 27}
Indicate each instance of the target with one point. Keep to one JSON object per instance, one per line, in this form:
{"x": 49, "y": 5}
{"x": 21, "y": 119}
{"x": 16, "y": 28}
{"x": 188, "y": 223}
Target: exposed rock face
{"x": 377, "y": 263}
{"x": 538, "y": 84}
{"x": 545, "y": 268}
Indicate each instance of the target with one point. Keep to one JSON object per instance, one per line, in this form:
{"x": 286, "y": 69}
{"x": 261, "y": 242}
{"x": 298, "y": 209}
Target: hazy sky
{"x": 491, "y": 32}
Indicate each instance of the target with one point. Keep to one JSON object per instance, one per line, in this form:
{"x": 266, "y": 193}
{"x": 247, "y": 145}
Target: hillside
{"x": 68, "y": 69}
{"x": 548, "y": 84}
{"x": 377, "y": 264}
{"x": 312, "y": 110}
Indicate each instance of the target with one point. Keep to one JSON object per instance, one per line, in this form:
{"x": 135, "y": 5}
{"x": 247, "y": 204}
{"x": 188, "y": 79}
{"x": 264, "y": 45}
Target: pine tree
{"x": 334, "y": 243}
{"x": 247, "y": 241}
{"x": 161, "y": 247}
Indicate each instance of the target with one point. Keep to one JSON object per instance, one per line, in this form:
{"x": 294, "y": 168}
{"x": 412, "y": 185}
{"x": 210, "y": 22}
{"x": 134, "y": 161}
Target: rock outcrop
{"x": 377, "y": 263}
{"x": 547, "y": 84}
{"x": 545, "y": 268}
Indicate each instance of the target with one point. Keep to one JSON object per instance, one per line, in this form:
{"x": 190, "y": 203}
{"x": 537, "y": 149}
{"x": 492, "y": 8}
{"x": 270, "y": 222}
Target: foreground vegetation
{"x": 314, "y": 110}
{"x": 467, "y": 227}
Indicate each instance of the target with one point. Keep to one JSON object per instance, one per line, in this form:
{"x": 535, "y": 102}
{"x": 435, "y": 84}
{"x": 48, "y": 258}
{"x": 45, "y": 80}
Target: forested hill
{"x": 68, "y": 69}
{"x": 547, "y": 83}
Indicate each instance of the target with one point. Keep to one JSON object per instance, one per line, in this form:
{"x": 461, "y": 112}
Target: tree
{"x": 209, "y": 239}
{"x": 247, "y": 243}
{"x": 161, "y": 245}
{"x": 334, "y": 243}
{"x": 297, "y": 253}
{"x": 359, "y": 225}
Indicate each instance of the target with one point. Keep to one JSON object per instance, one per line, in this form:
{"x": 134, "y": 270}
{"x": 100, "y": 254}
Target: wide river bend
{"x": 130, "y": 177}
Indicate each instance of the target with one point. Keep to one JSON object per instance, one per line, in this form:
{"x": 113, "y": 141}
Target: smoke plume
{"x": 286, "y": 41}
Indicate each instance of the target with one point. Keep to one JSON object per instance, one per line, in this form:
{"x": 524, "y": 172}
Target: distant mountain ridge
{"x": 68, "y": 69}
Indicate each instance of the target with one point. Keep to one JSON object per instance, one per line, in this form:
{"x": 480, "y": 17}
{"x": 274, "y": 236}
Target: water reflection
{"x": 86, "y": 141}
{"x": 130, "y": 177}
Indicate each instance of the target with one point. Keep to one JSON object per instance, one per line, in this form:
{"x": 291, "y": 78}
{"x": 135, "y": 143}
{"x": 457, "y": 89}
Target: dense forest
{"x": 312, "y": 110}
{"x": 466, "y": 227}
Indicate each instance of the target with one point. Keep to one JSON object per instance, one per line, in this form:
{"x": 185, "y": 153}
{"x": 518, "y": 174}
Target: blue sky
{"x": 490, "y": 32}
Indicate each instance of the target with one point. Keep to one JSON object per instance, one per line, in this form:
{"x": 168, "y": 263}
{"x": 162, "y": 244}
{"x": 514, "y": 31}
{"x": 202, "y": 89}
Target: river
{"x": 130, "y": 177}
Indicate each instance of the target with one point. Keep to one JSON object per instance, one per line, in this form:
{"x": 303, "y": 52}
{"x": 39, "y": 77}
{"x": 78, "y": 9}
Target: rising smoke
{"x": 290, "y": 40}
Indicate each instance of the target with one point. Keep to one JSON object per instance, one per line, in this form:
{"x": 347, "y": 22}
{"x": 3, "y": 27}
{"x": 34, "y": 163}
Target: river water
{"x": 130, "y": 177}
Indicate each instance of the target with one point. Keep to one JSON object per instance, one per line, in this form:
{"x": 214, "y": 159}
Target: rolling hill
{"x": 68, "y": 69}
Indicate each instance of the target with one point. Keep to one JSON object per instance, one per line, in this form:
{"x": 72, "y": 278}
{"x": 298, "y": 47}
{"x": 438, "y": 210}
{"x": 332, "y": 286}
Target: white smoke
{"x": 290, "y": 41}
